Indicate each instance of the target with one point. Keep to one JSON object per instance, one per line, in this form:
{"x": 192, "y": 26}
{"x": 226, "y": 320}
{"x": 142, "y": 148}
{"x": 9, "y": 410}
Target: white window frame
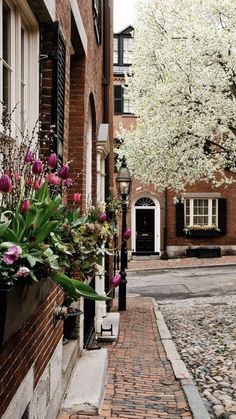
{"x": 22, "y": 16}
{"x": 127, "y": 103}
{"x": 209, "y": 215}
{"x": 115, "y": 51}
{"x": 127, "y": 50}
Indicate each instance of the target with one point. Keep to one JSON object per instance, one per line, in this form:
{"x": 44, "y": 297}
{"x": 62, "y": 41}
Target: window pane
{"x": 23, "y": 62}
{"x": 6, "y": 33}
{"x": 127, "y": 50}
{"x": 115, "y": 50}
{"x": 6, "y": 79}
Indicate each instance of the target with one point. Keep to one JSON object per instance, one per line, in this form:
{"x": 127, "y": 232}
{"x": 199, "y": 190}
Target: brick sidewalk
{"x": 135, "y": 265}
{"x": 141, "y": 382}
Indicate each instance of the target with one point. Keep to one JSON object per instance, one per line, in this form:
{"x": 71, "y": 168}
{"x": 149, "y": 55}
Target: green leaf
{"x": 76, "y": 288}
{"x": 33, "y": 259}
{"x": 43, "y": 233}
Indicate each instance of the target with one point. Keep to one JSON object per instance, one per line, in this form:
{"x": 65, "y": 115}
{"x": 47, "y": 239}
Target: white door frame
{"x": 156, "y": 222}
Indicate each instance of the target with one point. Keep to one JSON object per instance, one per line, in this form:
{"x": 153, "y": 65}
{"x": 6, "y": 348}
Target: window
{"x": 97, "y": 19}
{"x": 19, "y": 67}
{"x": 115, "y": 50}
{"x": 122, "y": 101}
{"x": 127, "y": 50}
{"x": 201, "y": 212}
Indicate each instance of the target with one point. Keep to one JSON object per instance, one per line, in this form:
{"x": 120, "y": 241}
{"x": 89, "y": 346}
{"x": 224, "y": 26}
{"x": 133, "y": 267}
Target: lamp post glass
{"x": 123, "y": 183}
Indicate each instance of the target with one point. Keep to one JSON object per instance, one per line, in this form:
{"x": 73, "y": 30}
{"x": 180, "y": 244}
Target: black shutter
{"x": 222, "y": 219}
{"x": 118, "y": 98}
{"x": 58, "y": 89}
{"x": 179, "y": 219}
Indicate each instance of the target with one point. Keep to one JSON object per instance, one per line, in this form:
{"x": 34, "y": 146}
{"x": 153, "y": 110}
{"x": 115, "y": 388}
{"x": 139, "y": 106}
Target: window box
{"x": 18, "y": 303}
{"x": 201, "y": 233}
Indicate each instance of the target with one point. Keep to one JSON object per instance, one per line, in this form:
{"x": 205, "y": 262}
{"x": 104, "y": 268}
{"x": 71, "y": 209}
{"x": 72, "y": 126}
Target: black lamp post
{"x": 123, "y": 184}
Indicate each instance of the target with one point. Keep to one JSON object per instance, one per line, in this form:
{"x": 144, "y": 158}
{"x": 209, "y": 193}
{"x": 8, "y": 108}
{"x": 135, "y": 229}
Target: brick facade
{"x": 87, "y": 67}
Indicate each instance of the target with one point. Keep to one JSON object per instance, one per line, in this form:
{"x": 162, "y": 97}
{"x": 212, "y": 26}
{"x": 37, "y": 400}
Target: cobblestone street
{"x": 204, "y": 332}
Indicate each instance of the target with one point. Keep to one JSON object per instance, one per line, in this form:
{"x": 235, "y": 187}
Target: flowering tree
{"x": 184, "y": 93}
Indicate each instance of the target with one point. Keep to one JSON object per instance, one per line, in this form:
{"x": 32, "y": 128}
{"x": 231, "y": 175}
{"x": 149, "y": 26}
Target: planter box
{"x": 202, "y": 233}
{"x": 18, "y": 303}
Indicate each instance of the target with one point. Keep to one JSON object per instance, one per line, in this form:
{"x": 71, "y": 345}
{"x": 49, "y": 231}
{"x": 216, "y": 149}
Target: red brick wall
{"x": 34, "y": 343}
{"x": 229, "y": 239}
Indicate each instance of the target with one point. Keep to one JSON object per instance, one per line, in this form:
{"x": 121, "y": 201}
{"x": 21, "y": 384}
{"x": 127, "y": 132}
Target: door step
{"x": 137, "y": 258}
{"x": 85, "y": 392}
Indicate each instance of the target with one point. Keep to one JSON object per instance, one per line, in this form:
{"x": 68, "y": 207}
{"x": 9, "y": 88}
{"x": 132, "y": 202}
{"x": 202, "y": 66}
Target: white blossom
{"x": 184, "y": 93}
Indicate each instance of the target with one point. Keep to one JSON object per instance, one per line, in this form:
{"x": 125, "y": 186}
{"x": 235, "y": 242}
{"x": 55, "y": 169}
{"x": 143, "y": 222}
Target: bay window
{"x": 19, "y": 63}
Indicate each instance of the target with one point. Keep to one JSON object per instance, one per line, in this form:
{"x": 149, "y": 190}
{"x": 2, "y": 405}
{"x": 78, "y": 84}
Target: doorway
{"x": 145, "y": 223}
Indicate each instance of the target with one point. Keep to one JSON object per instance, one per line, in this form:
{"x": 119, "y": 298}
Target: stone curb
{"x": 191, "y": 392}
{"x": 157, "y": 270}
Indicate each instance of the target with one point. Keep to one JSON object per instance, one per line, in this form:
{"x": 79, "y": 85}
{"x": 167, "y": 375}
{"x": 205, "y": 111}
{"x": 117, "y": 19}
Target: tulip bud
{"x": 102, "y": 218}
{"x": 76, "y": 198}
{"x": 29, "y": 157}
{"x": 5, "y": 184}
{"x": 64, "y": 172}
{"x": 53, "y": 179}
{"x": 127, "y": 234}
{"x": 29, "y": 181}
{"x": 52, "y": 161}
{"x": 37, "y": 167}
{"x": 116, "y": 280}
{"x": 17, "y": 177}
{"x": 25, "y": 205}
{"x": 68, "y": 182}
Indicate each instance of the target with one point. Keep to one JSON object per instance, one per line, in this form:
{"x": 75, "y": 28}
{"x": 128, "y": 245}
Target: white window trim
{"x": 22, "y": 16}
{"x": 191, "y": 215}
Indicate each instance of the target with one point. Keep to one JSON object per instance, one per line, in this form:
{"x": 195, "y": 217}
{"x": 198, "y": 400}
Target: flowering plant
{"x": 31, "y": 215}
{"x": 198, "y": 227}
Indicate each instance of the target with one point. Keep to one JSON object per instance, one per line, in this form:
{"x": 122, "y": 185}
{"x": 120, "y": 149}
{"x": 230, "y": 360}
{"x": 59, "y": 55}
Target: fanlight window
{"x": 145, "y": 202}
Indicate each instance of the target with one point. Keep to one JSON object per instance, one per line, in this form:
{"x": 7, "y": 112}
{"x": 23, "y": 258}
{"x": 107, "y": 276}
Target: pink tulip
{"x": 25, "y": 205}
{"x": 116, "y": 280}
{"x": 5, "y": 184}
{"x": 53, "y": 179}
{"x": 29, "y": 158}
{"x": 52, "y": 161}
{"x": 11, "y": 255}
{"x": 127, "y": 234}
{"x": 68, "y": 182}
{"x": 37, "y": 167}
{"x": 17, "y": 177}
{"x": 64, "y": 172}
{"x": 29, "y": 181}
{"x": 102, "y": 218}
{"x": 76, "y": 198}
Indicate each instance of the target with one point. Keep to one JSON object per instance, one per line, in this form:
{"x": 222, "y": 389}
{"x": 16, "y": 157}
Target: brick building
{"x": 202, "y": 224}
{"x": 56, "y": 61}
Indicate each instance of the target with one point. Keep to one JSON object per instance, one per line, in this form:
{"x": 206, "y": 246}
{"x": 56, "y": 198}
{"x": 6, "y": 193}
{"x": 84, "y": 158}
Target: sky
{"x": 124, "y": 14}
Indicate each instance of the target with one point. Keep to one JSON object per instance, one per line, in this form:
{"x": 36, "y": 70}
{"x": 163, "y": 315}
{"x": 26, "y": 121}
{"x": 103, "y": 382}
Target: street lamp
{"x": 123, "y": 185}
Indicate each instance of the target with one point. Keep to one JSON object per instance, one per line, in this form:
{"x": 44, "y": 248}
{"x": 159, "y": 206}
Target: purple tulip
{"x": 64, "y": 172}
{"x": 68, "y": 182}
{"x": 5, "y": 184}
{"x": 116, "y": 280}
{"x": 11, "y": 255}
{"x": 102, "y": 218}
{"x": 29, "y": 157}
{"x": 23, "y": 272}
{"x": 37, "y": 167}
{"x": 127, "y": 234}
{"x": 52, "y": 161}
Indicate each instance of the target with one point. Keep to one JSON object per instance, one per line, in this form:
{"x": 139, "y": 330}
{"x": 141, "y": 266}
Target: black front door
{"x": 145, "y": 230}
